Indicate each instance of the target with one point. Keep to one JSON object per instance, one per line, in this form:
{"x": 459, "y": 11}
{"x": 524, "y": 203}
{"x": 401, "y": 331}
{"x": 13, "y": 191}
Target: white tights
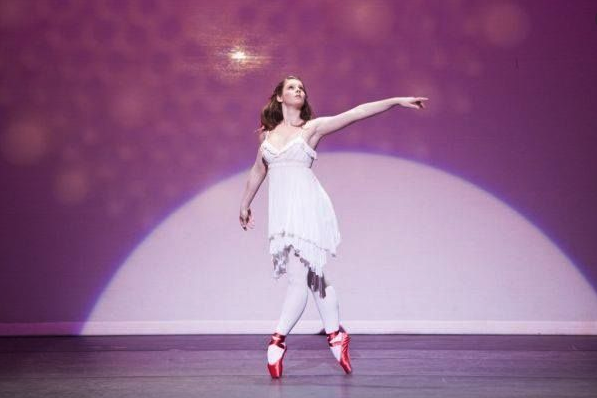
{"x": 296, "y": 301}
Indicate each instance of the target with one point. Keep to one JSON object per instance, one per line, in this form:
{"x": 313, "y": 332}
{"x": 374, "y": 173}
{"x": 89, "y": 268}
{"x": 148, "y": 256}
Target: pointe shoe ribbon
{"x": 275, "y": 370}
{"x": 344, "y": 355}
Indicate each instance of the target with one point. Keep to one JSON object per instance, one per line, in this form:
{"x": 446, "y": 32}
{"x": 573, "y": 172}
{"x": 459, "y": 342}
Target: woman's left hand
{"x": 413, "y": 102}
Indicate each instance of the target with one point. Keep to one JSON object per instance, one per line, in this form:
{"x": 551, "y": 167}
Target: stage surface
{"x": 234, "y": 366}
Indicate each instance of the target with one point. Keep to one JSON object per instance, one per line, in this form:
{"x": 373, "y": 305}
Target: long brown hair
{"x": 271, "y": 114}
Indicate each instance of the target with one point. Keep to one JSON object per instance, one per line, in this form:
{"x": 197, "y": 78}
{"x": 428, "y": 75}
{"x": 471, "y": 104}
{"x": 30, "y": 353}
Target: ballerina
{"x": 301, "y": 216}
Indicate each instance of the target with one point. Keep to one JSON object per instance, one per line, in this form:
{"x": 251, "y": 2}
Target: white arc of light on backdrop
{"x": 418, "y": 245}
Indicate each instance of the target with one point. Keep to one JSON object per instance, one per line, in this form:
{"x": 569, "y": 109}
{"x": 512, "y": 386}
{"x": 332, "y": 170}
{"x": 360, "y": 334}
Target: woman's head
{"x": 292, "y": 93}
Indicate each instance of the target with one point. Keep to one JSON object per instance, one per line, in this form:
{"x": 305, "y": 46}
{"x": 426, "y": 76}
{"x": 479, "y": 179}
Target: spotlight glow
{"x": 431, "y": 252}
{"x": 238, "y": 55}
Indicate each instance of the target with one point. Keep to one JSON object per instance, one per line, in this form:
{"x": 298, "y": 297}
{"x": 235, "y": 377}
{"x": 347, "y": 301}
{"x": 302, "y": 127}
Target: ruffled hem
{"x": 310, "y": 254}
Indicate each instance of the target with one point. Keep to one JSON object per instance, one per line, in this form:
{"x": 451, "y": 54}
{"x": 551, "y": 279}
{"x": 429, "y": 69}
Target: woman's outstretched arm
{"x": 328, "y": 124}
{"x": 256, "y": 176}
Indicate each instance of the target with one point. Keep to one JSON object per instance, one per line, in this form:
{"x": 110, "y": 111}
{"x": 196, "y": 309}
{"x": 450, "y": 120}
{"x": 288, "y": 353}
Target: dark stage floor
{"x": 234, "y": 366}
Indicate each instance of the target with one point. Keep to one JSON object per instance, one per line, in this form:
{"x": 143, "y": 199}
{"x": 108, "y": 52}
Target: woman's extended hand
{"x": 413, "y": 102}
{"x": 246, "y": 219}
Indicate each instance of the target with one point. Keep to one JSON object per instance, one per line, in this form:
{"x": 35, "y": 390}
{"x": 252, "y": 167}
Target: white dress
{"x": 301, "y": 215}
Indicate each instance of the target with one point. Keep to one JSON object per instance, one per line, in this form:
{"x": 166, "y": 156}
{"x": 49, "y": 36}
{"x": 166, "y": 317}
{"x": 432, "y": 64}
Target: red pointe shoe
{"x": 275, "y": 370}
{"x": 344, "y": 356}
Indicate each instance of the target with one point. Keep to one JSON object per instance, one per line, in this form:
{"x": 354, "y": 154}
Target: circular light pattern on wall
{"x": 505, "y": 24}
{"x": 25, "y": 142}
{"x": 71, "y": 185}
{"x": 431, "y": 252}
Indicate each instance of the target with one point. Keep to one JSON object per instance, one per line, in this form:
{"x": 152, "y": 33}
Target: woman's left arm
{"x": 328, "y": 124}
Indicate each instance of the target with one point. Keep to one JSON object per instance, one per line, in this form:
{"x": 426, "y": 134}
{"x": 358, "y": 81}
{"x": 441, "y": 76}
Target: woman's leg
{"x": 294, "y": 303}
{"x": 329, "y": 311}
{"x": 296, "y": 296}
{"x": 328, "y": 307}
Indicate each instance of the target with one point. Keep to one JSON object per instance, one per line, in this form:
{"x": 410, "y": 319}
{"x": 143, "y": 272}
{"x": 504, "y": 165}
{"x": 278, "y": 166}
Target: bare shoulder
{"x": 262, "y": 135}
{"x": 310, "y": 133}
{"x": 309, "y": 128}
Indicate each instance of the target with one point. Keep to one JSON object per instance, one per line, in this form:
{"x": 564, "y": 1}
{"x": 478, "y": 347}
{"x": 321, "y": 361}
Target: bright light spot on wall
{"x": 238, "y": 55}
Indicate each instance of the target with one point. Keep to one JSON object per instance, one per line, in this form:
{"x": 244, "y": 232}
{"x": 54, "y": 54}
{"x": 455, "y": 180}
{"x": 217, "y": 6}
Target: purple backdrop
{"x": 114, "y": 113}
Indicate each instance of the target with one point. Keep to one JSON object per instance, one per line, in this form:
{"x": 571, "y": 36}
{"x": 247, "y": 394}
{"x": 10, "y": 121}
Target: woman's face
{"x": 293, "y": 93}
